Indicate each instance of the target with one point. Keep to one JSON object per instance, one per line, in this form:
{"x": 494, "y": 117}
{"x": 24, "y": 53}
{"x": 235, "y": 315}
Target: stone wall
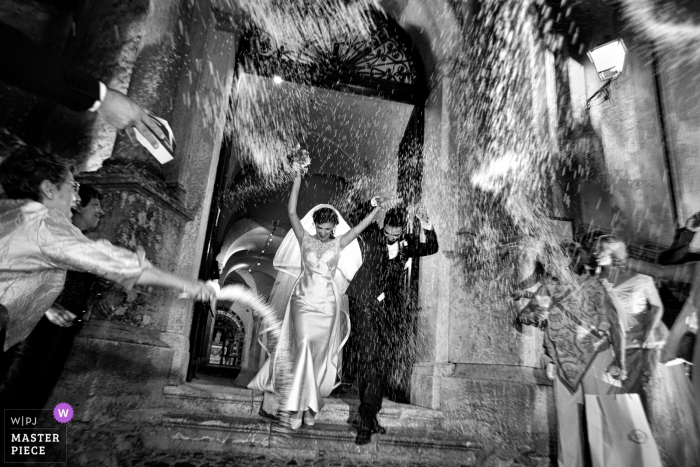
{"x": 173, "y": 59}
{"x": 629, "y": 128}
{"x": 679, "y": 80}
{"x": 629, "y": 181}
{"x": 671, "y": 29}
{"x": 485, "y": 375}
{"x": 482, "y": 373}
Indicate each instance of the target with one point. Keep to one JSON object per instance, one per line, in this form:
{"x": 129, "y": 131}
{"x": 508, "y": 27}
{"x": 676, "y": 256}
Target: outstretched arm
{"x": 656, "y": 308}
{"x": 352, "y": 234}
{"x": 60, "y": 316}
{"x": 158, "y": 277}
{"x": 32, "y": 68}
{"x": 674, "y": 272}
{"x": 292, "y": 210}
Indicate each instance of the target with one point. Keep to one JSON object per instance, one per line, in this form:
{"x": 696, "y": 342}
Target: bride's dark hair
{"x": 324, "y": 215}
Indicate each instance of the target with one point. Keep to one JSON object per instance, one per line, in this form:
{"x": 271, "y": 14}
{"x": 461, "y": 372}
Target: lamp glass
{"x": 609, "y": 59}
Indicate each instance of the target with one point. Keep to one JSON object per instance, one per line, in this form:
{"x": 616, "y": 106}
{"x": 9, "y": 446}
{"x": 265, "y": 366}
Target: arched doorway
{"x": 226, "y": 349}
{"x": 365, "y": 117}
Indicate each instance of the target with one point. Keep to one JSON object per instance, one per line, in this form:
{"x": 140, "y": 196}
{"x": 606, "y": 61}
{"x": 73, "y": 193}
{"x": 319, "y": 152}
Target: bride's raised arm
{"x": 292, "y": 209}
{"x": 352, "y": 234}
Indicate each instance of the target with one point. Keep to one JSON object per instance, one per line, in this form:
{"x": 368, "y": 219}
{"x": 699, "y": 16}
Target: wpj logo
{"x": 36, "y": 436}
{"x": 22, "y": 421}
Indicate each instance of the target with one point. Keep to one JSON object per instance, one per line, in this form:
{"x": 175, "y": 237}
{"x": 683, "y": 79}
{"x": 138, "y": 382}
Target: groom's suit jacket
{"x": 377, "y": 274}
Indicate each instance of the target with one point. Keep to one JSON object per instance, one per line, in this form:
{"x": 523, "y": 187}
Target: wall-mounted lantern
{"x": 609, "y": 59}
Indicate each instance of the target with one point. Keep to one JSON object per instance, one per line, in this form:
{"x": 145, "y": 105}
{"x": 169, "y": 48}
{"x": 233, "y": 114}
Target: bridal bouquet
{"x": 299, "y": 161}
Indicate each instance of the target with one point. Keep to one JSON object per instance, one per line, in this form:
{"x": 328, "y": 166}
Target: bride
{"x": 317, "y": 260}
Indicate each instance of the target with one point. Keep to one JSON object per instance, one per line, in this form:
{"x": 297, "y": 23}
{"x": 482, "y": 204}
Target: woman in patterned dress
{"x": 638, "y": 332}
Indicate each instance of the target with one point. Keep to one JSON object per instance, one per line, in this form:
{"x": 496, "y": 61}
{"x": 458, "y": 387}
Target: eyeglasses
{"x": 76, "y": 186}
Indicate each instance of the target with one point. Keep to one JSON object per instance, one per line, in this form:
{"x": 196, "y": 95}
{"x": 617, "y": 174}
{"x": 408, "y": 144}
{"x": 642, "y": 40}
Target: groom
{"x": 377, "y": 303}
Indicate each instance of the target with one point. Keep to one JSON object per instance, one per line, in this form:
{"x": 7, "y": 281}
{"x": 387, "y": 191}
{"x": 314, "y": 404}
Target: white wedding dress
{"x": 305, "y": 366}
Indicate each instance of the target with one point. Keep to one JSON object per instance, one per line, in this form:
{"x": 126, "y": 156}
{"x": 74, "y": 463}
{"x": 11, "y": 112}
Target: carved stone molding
{"x": 122, "y": 180}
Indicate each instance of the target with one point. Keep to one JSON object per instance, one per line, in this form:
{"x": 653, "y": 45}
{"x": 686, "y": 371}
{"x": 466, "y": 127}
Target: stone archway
{"x": 226, "y": 349}
{"x": 374, "y": 71}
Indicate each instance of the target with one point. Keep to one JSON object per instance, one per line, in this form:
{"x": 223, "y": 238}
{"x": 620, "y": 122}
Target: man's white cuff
{"x": 103, "y": 94}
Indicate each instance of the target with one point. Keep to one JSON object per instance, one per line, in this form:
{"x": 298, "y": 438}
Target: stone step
{"x": 188, "y": 431}
{"x": 242, "y": 402}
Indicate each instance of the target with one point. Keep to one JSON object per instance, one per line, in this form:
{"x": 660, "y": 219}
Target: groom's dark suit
{"x": 378, "y": 306}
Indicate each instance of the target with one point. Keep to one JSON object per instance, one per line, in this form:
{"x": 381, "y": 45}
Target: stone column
{"x": 138, "y": 341}
{"x": 476, "y": 368}
{"x": 435, "y": 269}
{"x": 201, "y": 103}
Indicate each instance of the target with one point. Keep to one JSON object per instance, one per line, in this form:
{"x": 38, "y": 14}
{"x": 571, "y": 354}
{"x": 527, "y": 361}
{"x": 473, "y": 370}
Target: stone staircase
{"x": 210, "y": 417}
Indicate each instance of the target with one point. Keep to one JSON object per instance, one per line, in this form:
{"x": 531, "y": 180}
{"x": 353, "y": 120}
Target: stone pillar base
{"x": 498, "y": 405}
{"x": 114, "y": 367}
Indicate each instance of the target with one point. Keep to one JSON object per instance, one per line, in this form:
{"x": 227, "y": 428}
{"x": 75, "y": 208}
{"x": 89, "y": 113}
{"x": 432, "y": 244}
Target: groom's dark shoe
{"x": 363, "y": 437}
{"x": 367, "y": 424}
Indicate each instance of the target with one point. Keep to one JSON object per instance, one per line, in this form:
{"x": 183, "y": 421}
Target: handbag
{"x": 686, "y": 346}
{"x": 619, "y": 433}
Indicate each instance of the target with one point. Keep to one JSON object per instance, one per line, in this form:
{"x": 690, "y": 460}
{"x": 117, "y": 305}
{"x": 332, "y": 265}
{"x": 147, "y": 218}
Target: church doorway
{"x": 363, "y": 126}
{"x": 226, "y": 348}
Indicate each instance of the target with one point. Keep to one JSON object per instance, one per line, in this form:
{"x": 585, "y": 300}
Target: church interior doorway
{"x": 226, "y": 348}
